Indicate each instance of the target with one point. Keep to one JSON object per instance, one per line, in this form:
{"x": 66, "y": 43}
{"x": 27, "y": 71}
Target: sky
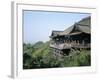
{"x": 38, "y": 25}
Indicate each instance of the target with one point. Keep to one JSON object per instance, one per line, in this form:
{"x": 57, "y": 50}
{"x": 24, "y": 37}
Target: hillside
{"x": 40, "y": 55}
{"x": 41, "y": 49}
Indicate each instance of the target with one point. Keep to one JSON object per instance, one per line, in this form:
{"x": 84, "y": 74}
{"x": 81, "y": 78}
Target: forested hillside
{"x": 39, "y": 55}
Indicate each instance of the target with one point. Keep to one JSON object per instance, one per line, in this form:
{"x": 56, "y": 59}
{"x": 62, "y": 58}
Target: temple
{"x": 76, "y": 36}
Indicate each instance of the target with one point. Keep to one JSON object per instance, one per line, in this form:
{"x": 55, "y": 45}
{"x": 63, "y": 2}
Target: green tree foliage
{"x": 40, "y": 55}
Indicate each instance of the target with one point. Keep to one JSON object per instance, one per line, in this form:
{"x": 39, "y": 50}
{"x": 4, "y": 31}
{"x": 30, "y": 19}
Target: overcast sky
{"x": 38, "y": 25}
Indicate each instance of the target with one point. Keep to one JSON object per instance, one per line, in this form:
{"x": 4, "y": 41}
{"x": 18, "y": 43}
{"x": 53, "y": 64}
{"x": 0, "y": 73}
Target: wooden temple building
{"x": 76, "y": 36}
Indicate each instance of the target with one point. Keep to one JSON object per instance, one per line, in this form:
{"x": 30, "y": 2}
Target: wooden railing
{"x": 67, "y": 46}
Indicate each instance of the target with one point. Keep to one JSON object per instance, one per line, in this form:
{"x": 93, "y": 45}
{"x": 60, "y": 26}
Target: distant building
{"x": 77, "y": 36}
